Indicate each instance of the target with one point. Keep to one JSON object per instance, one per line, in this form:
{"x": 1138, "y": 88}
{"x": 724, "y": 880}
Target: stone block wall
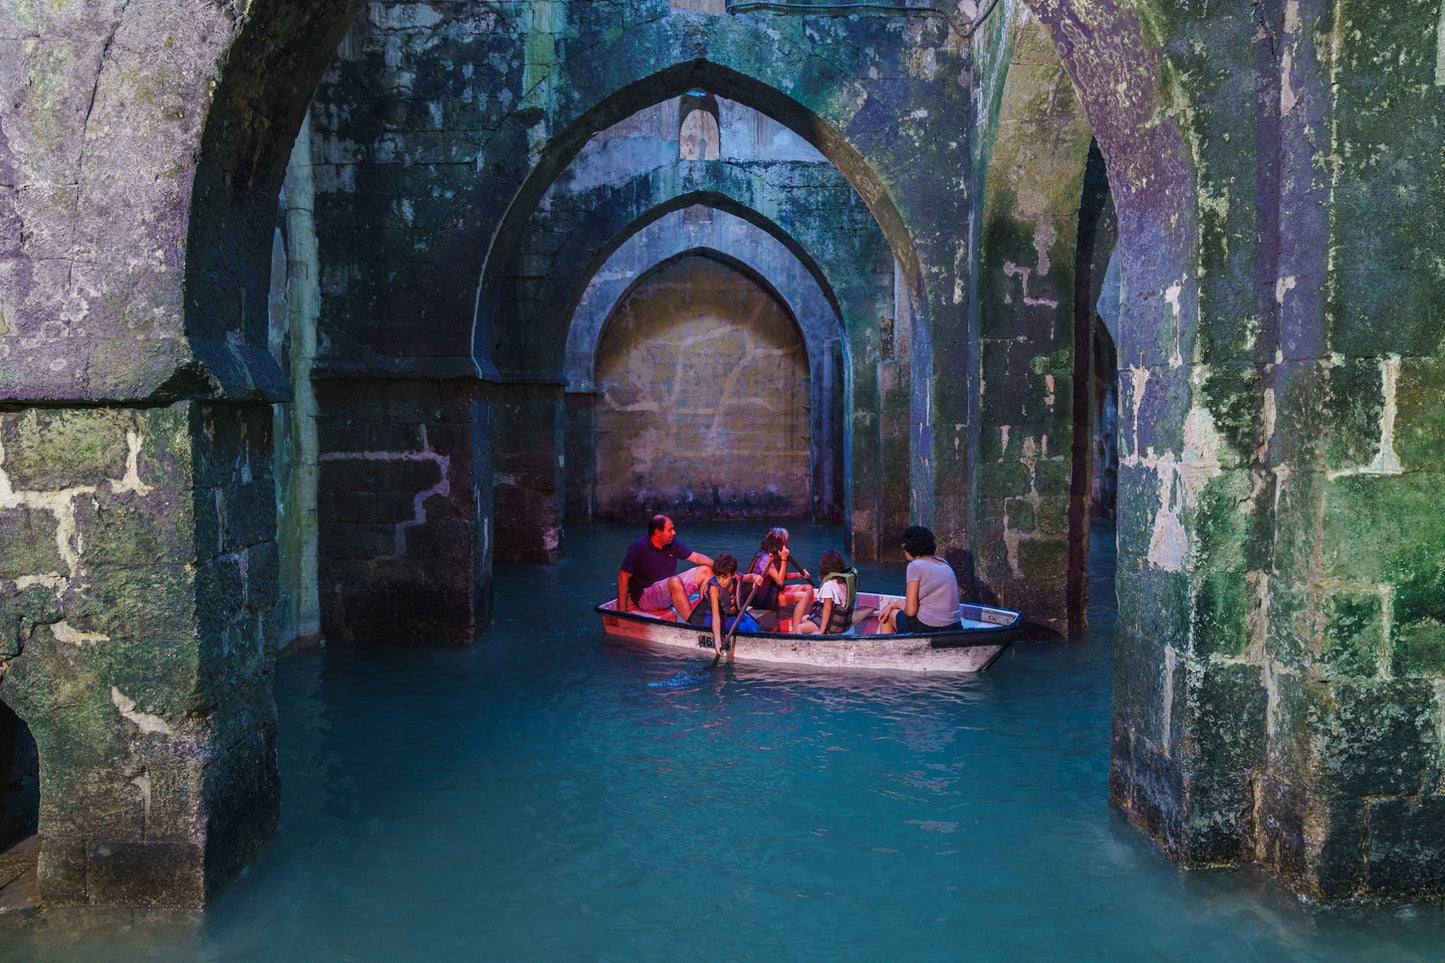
{"x": 441, "y": 129}
{"x": 1276, "y": 685}
{"x": 404, "y": 530}
{"x": 729, "y": 239}
{"x": 607, "y": 198}
{"x": 1189, "y": 696}
{"x": 1278, "y": 176}
{"x": 137, "y": 598}
{"x": 704, "y": 385}
{"x": 1354, "y": 599}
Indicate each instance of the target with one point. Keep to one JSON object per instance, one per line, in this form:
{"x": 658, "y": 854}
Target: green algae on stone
{"x": 1375, "y": 738}
{"x": 1231, "y": 394}
{"x": 1355, "y": 406}
{"x": 1419, "y": 429}
{"x": 1221, "y": 605}
{"x": 1384, "y": 527}
{"x": 53, "y": 449}
{"x": 29, "y": 539}
{"x": 1351, "y": 635}
{"x": 1417, "y": 648}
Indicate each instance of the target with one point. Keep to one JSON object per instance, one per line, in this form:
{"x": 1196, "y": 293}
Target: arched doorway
{"x": 703, "y": 411}
{"x": 734, "y": 240}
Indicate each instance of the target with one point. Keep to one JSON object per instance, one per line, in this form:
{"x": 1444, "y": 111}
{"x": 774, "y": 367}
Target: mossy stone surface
{"x": 1351, "y": 635}
{"x": 30, "y": 540}
{"x": 1375, "y": 738}
{"x": 1221, "y": 605}
{"x": 54, "y": 449}
{"x": 1380, "y": 528}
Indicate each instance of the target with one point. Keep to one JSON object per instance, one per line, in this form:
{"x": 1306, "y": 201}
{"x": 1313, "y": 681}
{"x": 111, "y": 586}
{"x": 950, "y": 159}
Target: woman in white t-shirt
{"x": 931, "y": 600}
{"x": 832, "y": 611}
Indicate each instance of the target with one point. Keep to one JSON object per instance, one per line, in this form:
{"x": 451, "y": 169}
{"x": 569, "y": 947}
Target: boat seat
{"x": 668, "y": 614}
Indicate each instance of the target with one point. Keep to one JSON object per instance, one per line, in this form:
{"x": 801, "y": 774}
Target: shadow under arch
{"x": 267, "y": 83}
{"x": 19, "y": 779}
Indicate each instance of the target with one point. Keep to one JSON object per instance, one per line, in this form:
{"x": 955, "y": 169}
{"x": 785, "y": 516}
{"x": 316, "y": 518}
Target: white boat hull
{"x": 985, "y": 634}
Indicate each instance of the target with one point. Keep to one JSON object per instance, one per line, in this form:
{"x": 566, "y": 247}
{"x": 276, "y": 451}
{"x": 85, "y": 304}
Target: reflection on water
{"x": 548, "y": 794}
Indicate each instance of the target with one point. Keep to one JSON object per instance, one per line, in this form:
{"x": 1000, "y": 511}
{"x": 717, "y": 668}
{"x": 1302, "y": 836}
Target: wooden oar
{"x": 801, "y": 572}
{"x": 736, "y": 622}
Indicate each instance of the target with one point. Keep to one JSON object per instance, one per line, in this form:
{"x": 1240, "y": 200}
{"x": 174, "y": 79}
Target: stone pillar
{"x": 825, "y": 401}
{"x": 1033, "y": 183}
{"x": 400, "y": 555}
{"x": 581, "y": 457}
{"x": 1351, "y": 801}
{"x": 529, "y": 487}
{"x": 295, "y": 307}
{"x": 888, "y": 484}
{"x": 137, "y": 598}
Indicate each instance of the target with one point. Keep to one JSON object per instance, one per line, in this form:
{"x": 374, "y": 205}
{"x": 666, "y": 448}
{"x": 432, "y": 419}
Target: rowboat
{"x": 985, "y": 633}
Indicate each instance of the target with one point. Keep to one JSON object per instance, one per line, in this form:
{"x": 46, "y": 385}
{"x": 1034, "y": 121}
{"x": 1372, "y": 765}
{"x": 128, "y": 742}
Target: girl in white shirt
{"x": 832, "y": 611}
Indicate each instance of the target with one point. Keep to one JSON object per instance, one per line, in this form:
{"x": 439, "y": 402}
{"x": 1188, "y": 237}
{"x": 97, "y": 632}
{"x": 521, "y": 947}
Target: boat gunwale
{"x": 967, "y": 637}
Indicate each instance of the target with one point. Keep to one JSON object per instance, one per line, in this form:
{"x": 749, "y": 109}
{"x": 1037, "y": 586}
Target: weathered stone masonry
{"x": 1268, "y": 705}
{"x": 138, "y": 566}
{"x": 1276, "y": 171}
{"x": 138, "y": 588}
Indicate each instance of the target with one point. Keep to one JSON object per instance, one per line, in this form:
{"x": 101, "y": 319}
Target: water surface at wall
{"x": 549, "y": 795}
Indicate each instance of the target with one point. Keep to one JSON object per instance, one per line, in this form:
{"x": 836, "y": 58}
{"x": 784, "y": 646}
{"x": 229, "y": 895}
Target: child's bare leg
{"x": 798, "y": 610}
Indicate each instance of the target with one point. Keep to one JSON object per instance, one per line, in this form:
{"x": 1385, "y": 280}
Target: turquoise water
{"x": 549, "y": 795}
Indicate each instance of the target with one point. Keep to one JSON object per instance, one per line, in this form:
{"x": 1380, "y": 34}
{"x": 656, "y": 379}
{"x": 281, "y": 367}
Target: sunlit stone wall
{"x": 703, "y": 410}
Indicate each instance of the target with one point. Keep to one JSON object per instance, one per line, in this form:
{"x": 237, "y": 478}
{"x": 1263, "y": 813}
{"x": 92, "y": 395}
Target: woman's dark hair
{"x": 918, "y": 541}
{"x": 724, "y": 564}
{"x": 775, "y": 539}
{"x": 831, "y": 562}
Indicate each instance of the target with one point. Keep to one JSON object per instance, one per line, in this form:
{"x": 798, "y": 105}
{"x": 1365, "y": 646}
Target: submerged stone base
{"x": 404, "y": 527}
{"x": 1341, "y": 802}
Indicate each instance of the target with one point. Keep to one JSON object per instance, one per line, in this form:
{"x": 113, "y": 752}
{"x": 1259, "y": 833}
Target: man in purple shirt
{"x": 648, "y": 578}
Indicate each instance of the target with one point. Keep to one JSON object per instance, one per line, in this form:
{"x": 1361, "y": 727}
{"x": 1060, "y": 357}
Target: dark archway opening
{"x": 1104, "y": 409}
{"x": 19, "y": 779}
{"x": 19, "y": 811}
{"x": 1095, "y": 435}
